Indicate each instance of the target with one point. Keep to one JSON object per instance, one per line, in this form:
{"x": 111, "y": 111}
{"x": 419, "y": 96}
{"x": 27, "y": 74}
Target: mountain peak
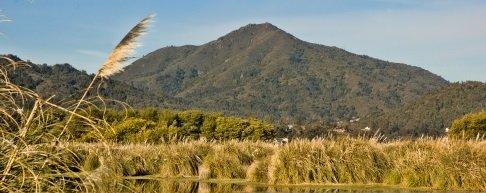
{"x": 256, "y": 30}
{"x": 261, "y": 26}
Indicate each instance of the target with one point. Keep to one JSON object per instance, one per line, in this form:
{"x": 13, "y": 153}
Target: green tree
{"x": 208, "y": 127}
{"x": 229, "y": 127}
{"x": 126, "y": 131}
{"x": 469, "y": 126}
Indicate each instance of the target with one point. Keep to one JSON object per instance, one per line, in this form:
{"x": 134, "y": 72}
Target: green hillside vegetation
{"x": 256, "y": 71}
{"x": 162, "y": 126}
{"x": 154, "y": 126}
{"x": 431, "y": 114}
{"x": 262, "y": 71}
{"x": 66, "y": 83}
{"x": 471, "y": 126}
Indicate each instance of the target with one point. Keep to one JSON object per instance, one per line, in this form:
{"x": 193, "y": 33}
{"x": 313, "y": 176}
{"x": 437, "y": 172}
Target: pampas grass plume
{"x": 124, "y": 49}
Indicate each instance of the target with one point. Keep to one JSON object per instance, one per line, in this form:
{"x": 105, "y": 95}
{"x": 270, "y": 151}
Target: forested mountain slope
{"x": 66, "y": 83}
{"x": 430, "y": 114}
{"x": 261, "y": 70}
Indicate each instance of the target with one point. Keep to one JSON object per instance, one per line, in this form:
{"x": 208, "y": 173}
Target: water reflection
{"x": 187, "y": 186}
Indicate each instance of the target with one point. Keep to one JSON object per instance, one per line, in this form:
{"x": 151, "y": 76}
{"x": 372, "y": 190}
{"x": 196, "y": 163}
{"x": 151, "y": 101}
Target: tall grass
{"x": 439, "y": 164}
{"x": 428, "y": 163}
{"x": 323, "y": 161}
{"x": 29, "y": 162}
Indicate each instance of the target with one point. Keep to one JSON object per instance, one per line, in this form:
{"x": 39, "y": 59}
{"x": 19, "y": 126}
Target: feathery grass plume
{"x": 112, "y": 65}
{"x": 124, "y": 49}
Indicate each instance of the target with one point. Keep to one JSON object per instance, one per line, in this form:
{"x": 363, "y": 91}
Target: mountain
{"x": 66, "y": 83}
{"x": 430, "y": 114}
{"x": 260, "y": 70}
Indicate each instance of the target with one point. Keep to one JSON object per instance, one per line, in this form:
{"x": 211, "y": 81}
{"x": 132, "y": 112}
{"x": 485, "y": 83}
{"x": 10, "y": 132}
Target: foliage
{"x": 431, "y": 114}
{"x": 65, "y": 83}
{"x": 155, "y": 126}
{"x": 130, "y": 129}
{"x": 470, "y": 126}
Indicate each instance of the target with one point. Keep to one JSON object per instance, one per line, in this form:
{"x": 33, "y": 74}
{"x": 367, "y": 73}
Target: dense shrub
{"x": 154, "y": 126}
{"x": 158, "y": 126}
{"x": 470, "y": 126}
{"x": 130, "y": 130}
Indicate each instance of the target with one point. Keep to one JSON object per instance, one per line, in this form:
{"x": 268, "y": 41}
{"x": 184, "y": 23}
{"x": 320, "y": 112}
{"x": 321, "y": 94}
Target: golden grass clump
{"x": 424, "y": 163}
{"x": 222, "y": 165}
{"x": 328, "y": 161}
{"x": 438, "y": 164}
{"x": 181, "y": 161}
{"x": 231, "y": 159}
{"x": 258, "y": 171}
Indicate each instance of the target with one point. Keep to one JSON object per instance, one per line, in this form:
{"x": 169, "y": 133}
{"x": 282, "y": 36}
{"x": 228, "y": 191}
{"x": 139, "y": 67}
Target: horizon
{"x": 446, "y": 38}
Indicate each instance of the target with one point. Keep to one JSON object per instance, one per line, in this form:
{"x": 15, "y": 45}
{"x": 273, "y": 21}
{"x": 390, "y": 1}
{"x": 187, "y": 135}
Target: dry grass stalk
{"x": 113, "y": 64}
{"x": 24, "y": 158}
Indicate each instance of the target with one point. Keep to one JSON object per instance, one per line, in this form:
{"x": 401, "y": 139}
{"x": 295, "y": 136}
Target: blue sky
{"x": 443, "y": 36}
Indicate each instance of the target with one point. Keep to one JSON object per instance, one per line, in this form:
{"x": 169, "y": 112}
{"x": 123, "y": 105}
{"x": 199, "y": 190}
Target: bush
{"x": 237, "y": 128}
{"x": 157, "y": 126}
{"x": 209, "y": 125}
{"x": 127, "y": 130}
{"x": 470, "y": 126}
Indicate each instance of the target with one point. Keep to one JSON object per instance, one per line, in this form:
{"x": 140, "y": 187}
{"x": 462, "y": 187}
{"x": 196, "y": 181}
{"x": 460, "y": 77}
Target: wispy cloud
{"x": 3, "y": 18}
{"x": 93, "y": 53}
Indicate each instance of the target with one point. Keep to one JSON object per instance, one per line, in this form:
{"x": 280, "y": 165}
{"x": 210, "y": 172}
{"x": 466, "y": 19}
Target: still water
{"x": 187, "y": 186}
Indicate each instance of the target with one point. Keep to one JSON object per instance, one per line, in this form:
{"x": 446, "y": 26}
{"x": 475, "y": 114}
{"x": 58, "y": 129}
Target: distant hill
{"x": 66, "y": 83}
{"x": 262, "y": 71}
{"x": 430, "y": 114}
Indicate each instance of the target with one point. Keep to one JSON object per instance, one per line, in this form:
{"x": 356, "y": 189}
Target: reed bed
{"x": 423, "y": 163}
